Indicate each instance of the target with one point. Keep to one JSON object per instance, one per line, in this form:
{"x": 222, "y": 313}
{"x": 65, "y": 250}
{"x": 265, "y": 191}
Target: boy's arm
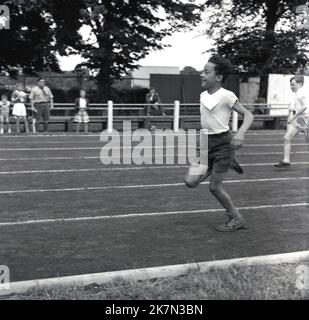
{"x": 303, "y": 108}
{"x": 51, "y": 101}
{"x": 14, "y": 97}
{"x": 239, "y": 137}
{"x": 31, "y": 97}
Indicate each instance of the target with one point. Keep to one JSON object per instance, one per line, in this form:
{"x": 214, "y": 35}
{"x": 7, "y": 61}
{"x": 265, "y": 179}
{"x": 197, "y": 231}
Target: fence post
{"x": 176, "y": 115}
{"x": 110, "y": 116}
{"x": 235, "y": 122}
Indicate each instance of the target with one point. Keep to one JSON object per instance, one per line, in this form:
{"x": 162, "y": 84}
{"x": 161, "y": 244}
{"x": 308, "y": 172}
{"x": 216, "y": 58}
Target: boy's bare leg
{"x": 292, "y": 132}
{"x": 9, "y": 126}
{"x": 1, "y": 128}
{"x": 192, "y": 181}
{"x": 86, "y": 127}
{"x": 33, "y": 125}
{"x": 216, "y": 188}
{"x": 17, "y": 125}
{"x": 77, "y": 127}
{"x": 26, "y": 124}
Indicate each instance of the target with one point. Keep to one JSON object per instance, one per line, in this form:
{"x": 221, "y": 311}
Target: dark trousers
{"x": 42, "y": 113}
{"x": 150, "y": 109}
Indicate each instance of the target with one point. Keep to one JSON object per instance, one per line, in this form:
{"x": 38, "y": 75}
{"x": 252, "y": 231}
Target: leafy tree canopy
{"x": 121, "y": 32}
{"x": 259, "y": 36}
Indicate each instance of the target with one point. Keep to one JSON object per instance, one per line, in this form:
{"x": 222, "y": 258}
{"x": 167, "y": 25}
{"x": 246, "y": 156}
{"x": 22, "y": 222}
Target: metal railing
{"x": 177, "y": 109}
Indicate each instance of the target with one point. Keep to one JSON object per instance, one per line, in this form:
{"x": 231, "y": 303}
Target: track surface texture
{"x": 65, "y": 213}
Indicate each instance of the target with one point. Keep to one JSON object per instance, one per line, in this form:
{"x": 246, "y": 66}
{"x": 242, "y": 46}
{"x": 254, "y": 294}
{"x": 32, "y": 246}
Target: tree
{"x": 259, "y": 36}
{"x": 190, "y": 70}
{"x": 39, "y": 30}
{"x": 123, "y": 32}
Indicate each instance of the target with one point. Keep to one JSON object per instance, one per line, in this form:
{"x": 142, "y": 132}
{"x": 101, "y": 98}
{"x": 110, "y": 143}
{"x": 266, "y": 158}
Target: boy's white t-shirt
{"x": 295, "y": 104}
{"x": 216, "y": 110}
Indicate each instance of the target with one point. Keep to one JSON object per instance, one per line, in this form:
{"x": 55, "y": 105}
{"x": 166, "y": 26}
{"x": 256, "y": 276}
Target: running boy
{"x": 298, "y": 119}
{"x": 5, "y": 113}
{"x": 217, "y": 105}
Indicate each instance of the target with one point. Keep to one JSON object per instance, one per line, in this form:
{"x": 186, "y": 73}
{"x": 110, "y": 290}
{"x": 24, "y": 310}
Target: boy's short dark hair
{"x": 298, "y": 79}
{"x": 223, "y": 66}
{"x": 4, "y": 96}
{"x": 39, "y": 79}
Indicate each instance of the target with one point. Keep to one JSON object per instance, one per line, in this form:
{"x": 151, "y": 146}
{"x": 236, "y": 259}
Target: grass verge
{"x": 237, "y": 283}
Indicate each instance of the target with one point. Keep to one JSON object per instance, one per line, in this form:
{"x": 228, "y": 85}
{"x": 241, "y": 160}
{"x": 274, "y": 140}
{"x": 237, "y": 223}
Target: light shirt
{"x": 5, "y": 106}
{"x": 297, "y": 97}
{"x": 216, "y": 110}
{"x": 82, "y": 103}
{"x": 19, "y": 96}
{"x": 41, "y": 95}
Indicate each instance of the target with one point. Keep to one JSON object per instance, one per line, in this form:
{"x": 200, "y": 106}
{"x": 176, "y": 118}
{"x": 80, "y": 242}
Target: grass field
{"x": 64, "y": 213}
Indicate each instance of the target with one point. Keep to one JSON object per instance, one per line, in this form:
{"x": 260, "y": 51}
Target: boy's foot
{"x": 232, "y": 225}
{"x": 235, "y": 166}
{"x": 282, "y": 164}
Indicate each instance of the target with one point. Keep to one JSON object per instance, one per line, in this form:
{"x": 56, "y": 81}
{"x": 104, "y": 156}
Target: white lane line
{"x": 144, "y": 186}
{"x": 271, "y": 145}
{"x": 129, "y": 168}
{"x": 55, "y": 142}
{"x": 50, "y": 149}
{"x": 125, "y": 148}
{"x": 150, "y": 214}
{"x": 98, "y": 141}
{"x": 50, "y": 158}
{"x": 239, "y": 154}
{"x": 250, "y": 133}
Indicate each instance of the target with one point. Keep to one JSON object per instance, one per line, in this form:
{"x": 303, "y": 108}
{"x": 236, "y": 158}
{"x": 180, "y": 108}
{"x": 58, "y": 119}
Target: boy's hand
{"x": 238, "y": 140}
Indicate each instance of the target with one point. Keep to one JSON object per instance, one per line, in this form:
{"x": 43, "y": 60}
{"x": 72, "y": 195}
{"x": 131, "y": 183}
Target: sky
{"x": 187, "y": 49}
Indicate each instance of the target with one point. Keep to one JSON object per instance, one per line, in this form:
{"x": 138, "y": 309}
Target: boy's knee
{"x": 191, "y": 181}
{"x": 286, "y": 139}
{"x": 214, "y": 187}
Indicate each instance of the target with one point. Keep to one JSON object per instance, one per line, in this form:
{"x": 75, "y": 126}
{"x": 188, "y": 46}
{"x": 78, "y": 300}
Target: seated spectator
{"x": 154, "y": 107}
{"x": 82, "y": 106}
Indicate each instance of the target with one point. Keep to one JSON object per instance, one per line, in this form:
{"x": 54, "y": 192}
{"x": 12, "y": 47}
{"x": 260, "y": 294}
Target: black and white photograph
{"x": 154, "y": 150}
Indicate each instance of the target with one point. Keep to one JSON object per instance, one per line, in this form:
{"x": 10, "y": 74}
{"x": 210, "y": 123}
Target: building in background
{"x": 141, "y": 77}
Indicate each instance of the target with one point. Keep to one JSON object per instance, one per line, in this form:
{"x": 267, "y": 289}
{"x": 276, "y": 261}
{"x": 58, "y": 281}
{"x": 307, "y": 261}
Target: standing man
{"x": 42, "y": 101}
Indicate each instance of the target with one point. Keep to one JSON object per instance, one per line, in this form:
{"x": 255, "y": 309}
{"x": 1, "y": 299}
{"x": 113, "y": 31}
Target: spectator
{"x": 153, "y": 101}
{"x": 42, "y": 100}
{"x": 19, "y": 98}
{"x": 5, "y": 113}
{"x": 82, "y": 106}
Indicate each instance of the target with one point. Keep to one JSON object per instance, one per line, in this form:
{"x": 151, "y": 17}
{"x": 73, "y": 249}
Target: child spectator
{"x": 82, "y": 106}
{"x": 19, "y": 109}
{"x": 5, "y": 113}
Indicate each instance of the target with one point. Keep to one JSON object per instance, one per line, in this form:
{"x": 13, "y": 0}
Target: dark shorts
{"x": 220, "y": 152}
{"x": 42, "y": 112}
